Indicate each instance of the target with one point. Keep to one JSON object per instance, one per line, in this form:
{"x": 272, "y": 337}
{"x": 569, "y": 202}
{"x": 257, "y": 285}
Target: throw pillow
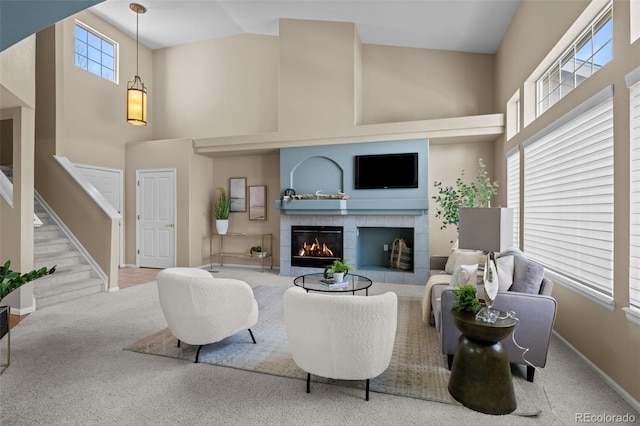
{"x": 462, "y": 257}
{"x": 463, "y": 274}
{"x": 505, "y": 266}
{"x": 527, "y": 276}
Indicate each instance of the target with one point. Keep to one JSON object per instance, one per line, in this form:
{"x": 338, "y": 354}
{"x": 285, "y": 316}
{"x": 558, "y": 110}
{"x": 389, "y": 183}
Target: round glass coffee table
{"x": 317, "y": 282}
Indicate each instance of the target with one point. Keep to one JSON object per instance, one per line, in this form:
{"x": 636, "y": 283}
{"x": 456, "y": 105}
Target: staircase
{"x": 73, "y": 277}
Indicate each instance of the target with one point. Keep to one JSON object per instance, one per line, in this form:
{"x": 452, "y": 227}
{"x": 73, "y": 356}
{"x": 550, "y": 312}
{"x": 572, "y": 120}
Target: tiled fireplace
{"x": 364, "y": 238}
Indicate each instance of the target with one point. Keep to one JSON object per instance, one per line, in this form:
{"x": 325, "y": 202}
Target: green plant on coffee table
{"x": 466, "y": 299}
{"x": 339, "y": 266}
{"x": 477, "y": 194}
{"x": 11, "y": 280}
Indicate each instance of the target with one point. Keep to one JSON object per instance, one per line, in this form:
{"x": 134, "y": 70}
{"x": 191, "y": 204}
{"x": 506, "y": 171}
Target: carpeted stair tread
{"x": 47, "y": 296}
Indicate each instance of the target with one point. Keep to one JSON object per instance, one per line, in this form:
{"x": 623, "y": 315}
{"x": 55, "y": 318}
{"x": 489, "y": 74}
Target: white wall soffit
{"x": 476, "y": 125}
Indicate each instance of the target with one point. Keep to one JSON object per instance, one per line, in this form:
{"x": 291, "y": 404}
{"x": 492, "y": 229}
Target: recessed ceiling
{"x": 460, "y": 25}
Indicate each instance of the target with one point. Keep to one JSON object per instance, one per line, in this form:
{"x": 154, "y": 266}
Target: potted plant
{"x": 465, "y": 297}
{"x": 477, "y": 194}
{"x": 11, "y": 280}
{"x": 222, "y": 207}
{"x": 338, "y": 269}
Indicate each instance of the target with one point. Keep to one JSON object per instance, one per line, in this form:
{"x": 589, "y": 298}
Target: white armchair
{"x": 201, "y": 309}
{"x": 341, "y": 337}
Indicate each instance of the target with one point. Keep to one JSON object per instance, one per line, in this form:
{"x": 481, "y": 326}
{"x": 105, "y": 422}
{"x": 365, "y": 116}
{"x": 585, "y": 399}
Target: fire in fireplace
{"x": 316, "y": 246}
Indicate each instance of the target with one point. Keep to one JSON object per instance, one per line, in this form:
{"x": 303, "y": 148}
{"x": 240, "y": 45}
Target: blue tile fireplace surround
{"x": 370, "y": 218}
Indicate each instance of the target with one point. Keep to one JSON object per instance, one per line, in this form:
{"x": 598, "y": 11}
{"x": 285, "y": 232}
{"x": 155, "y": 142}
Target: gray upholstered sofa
{"x": 535, "y": 312}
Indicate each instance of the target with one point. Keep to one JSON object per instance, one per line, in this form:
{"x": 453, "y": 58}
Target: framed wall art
{"x": 257, "y": 202}
{"x": 238, "y": 194}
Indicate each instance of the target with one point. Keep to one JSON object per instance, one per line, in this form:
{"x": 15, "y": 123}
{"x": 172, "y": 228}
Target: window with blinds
{"x": 568, "y": 196}
{"x": 634, "y": 210}
{"x": 513, "y": 191}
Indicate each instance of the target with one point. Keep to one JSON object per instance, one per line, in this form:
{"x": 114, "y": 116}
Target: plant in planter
{"x": 222, "y": 207}
{"x": 11, "y": 280}
{"x": 477, "y": 194}
{"x": 338, "y": 269}
{"x": 466, "y": 299}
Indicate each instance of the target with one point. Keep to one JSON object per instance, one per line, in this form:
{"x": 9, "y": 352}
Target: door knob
{"x": 170, "y": 225}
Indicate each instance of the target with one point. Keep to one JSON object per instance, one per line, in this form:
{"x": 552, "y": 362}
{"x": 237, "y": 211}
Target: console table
{"x": 221, "y": 253}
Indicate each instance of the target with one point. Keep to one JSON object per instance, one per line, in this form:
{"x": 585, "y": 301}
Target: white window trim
{"x": 603, "y": 300}
{"x": 590, "y": 294}
{"x": 529, "y": 96}
{"x": 632, "y": 313}
{"x": 116, "y": 49}
{"x": 517, "y": 212}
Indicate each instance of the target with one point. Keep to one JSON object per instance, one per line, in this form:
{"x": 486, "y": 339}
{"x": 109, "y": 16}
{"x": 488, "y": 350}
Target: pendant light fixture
{"x": 136, "y": 91}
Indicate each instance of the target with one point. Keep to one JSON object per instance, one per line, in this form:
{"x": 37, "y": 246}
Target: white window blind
{"x": 513, "y": 191}
{"x": 634, "y": 210}
{"x": 568, "y": 196}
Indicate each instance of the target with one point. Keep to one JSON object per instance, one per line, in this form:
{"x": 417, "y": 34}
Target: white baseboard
{"x": 23, "y": 311}
{"x": 113, "y": 289}
{"x": 615, "y": 386}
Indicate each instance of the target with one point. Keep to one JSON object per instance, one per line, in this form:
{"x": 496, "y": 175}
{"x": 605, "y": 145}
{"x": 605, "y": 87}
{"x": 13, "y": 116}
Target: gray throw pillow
{"x": 527, "y": 276}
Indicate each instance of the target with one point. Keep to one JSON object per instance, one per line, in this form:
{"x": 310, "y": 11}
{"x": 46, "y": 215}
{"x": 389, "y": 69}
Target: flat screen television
{"x": 384, "y": 171}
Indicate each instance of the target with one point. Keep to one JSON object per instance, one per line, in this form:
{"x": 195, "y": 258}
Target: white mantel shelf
{"x": 413, "y": 207}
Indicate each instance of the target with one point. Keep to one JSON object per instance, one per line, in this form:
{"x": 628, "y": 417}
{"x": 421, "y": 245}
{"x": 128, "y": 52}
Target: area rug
{"x": 418, "y": 369}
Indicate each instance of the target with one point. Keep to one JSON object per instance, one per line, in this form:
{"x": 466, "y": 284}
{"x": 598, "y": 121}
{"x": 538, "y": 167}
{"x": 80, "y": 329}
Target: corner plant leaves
{"x": 11, "y": 280}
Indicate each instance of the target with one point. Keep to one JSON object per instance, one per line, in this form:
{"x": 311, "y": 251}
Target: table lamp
{"x": 489, "y": 230}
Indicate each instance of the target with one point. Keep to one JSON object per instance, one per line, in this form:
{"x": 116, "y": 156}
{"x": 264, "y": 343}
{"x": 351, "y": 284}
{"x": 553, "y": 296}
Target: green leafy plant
{"x": 339, "y": 266}
{"x": 223, "y": 205}
{"x": 451, "y": 198}
{"x": 466, "y": 299}
{"x": 11, "y": 280}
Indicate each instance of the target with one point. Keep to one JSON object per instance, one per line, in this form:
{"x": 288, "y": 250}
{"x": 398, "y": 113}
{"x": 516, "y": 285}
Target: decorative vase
{"x": 222, "y": 225}
{"x": 338, "y": 277}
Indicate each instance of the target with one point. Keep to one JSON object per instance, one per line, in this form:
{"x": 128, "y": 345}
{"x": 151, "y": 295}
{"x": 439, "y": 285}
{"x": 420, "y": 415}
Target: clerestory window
{"x": 589, "y": 52}
{"x": 95, "y": 53}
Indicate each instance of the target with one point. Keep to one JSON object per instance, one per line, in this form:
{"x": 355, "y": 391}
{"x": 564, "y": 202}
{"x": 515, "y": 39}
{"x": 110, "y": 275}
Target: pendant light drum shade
{"x": 136, "y": 91}
{"x": 136, "y": 102}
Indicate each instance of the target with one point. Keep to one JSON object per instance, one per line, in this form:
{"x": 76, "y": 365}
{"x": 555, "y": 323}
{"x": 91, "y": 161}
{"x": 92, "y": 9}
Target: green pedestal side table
{"x": 480, "y": 374}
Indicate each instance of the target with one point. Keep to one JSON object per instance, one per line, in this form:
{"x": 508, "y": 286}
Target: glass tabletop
{"x": 318, "y": 282}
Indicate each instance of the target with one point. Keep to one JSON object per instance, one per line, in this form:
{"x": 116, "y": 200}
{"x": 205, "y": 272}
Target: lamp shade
{"x": 137, "y": 102}
{"x": 487, "y": 229}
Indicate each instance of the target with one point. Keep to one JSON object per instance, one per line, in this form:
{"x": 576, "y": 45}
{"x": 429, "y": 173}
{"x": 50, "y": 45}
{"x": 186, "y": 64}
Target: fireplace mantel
{"x": 415, "y": 207}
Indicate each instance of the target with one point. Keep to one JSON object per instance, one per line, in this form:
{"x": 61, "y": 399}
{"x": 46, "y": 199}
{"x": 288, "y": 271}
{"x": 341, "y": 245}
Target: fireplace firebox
{"x": 316, "y": 246}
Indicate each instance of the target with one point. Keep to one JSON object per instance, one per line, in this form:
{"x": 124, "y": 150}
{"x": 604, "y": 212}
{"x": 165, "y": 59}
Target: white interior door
{"x": 156, "y": 194}
{"x": 108, "y": 182}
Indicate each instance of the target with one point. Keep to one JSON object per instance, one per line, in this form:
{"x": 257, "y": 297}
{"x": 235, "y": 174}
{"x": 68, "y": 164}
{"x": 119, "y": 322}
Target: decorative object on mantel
{"x": 476, "y": 194}
{"x": 9, "y": 281}
{"x": 318, "y": 195}
{"x": 222, "y": 212}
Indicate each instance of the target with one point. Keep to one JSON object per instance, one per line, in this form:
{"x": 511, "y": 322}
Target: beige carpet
{"x": 417, "y": 369}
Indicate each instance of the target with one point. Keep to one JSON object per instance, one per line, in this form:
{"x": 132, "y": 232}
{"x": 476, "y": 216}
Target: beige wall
{"x": 93, "y": 127}
{"x": 76, "y": 118}
{"x": 259, "y": 170}
{"x": 446, "y": 162}
{"x": 218, "y": 87}
{"x": 404, "y": 84}
{"x": 167, "y": 154}
{"x": 201, "y": 207}
{"x": 17, "y": 100}
{"x": 606, "y": 338}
